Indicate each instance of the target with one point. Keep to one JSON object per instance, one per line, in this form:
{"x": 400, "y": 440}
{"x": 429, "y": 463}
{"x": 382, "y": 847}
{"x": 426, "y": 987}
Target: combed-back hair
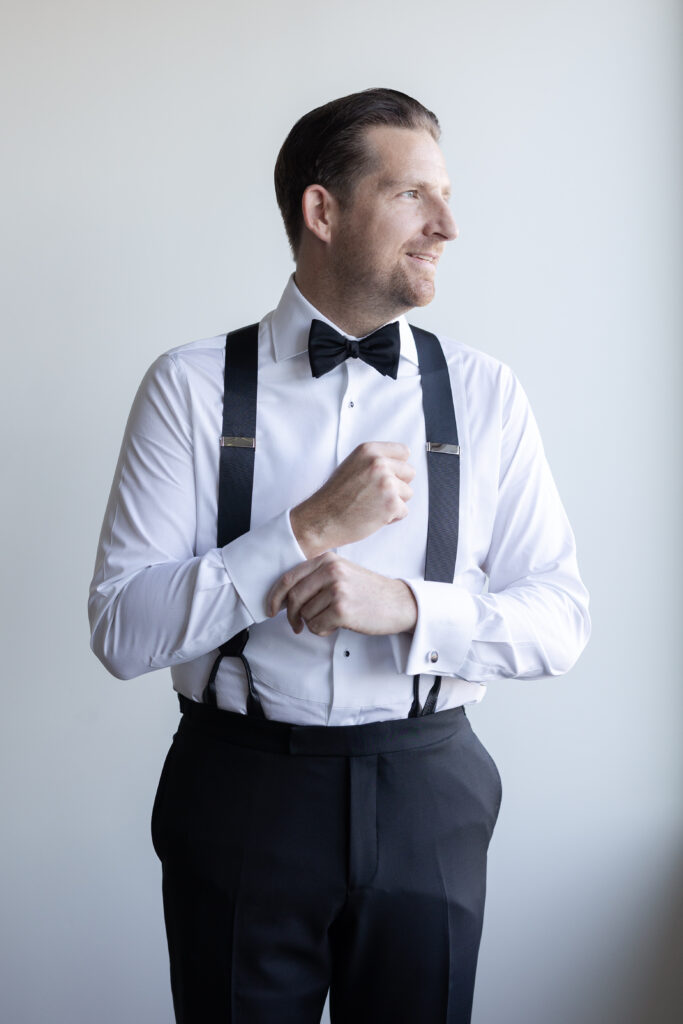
{"x": 327, "y": 147}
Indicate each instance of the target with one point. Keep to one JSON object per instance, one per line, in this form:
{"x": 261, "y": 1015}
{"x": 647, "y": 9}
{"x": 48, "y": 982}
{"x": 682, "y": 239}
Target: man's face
{"x": 389, "y": 236}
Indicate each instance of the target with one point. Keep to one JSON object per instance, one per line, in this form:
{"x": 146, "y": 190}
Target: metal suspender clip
{"x": 237, "y": 442}
{"x": 447, "y": 449}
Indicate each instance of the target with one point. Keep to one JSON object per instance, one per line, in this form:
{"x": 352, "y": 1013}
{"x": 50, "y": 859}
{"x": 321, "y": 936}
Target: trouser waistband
{"x": 320, "y": 740}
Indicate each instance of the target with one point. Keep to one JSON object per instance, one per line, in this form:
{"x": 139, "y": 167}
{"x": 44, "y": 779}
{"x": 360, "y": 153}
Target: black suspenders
{"x": 236, "y": 476}
{"x": 443, "y": 476}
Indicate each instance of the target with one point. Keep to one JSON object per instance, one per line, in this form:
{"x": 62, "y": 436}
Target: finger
{"x": 326, "y": 621}
{"x": 315, "y": 606}
{"x": 304, "y": 592}
{"x": 397, "y": 508}
{"x": 278, "y": 592}
{"x": 392, "y": 449}
{"x": 403, "y": 470}
{"x": 317, "y": 590}
{"x": 400, "y": 513}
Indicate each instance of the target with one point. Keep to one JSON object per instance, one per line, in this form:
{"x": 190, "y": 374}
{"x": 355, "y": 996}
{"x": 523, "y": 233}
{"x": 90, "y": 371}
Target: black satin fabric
{"x": 328, "y": 348}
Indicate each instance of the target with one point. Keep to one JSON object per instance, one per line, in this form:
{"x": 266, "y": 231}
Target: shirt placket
{"x": 345, "y": 649}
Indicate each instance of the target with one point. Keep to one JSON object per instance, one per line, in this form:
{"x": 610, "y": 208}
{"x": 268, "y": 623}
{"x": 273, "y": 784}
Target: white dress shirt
{"x": 163, "y": 594}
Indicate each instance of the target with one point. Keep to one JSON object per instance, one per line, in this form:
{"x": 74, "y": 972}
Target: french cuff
{"x": 446, "y": 620}
{"x": 257, "y": 560}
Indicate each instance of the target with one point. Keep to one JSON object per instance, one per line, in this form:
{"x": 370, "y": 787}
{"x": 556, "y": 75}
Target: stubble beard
{"x": 379, "y": 295}
{"x": 412, "y": 292}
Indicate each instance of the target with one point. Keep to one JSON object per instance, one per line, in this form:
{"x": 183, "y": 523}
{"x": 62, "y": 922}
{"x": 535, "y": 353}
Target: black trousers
{"x": 301, "y": 858}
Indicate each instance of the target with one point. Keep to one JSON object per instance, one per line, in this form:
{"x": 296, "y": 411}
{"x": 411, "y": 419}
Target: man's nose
{"x": 443, "y": 222}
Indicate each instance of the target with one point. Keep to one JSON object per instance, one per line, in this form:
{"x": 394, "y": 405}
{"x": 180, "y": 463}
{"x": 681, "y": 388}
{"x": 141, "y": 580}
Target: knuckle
{"x": 330, "y": 575}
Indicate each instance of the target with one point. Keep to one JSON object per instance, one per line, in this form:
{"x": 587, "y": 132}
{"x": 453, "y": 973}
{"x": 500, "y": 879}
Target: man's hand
{"x": 329, "y": 593}
{"x": 367, "y": 491}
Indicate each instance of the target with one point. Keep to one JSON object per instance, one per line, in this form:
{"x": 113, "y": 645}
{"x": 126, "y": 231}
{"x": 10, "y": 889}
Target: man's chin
{"x": 422, "y": 295}
{"x": 411, "y": 291}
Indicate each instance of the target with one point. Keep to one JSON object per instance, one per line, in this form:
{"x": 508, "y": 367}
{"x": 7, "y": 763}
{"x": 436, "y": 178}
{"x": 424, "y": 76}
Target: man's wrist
{"x": 308, "y": 538}
{"x": 409, "y": 608}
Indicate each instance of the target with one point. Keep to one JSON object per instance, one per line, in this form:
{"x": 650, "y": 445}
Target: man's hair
{"x": 327, "y": 147}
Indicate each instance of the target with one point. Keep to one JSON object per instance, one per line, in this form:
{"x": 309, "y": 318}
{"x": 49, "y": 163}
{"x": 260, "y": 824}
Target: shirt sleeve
{"x": 533, "y": 620}
{"x": 154, "y": 601}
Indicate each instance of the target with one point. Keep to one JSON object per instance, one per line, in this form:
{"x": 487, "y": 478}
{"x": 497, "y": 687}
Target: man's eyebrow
{"x": 389, "y": 184}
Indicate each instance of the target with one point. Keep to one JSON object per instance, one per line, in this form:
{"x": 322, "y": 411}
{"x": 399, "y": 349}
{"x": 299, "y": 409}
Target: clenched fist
{"x": 367, "y": 491}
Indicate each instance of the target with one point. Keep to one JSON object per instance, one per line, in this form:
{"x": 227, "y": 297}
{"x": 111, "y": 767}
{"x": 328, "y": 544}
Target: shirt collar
{"x": 291, "y": 322}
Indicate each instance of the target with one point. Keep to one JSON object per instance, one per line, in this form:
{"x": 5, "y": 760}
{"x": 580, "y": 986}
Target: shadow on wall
{"x": 658, "y": 999}
{"x": 646, "y": 985}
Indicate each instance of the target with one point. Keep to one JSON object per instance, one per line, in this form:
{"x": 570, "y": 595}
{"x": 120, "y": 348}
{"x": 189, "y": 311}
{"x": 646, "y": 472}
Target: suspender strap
{"x": 443, "y": 472}
{"x": 234, "y": 648}
{"x": 443, "y": 458}
{"x": 236, "y": 474}
{"x": 236, "y": 477}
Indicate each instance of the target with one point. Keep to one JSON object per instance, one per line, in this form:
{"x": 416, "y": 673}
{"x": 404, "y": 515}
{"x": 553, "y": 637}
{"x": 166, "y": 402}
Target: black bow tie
{"x": 327, "y": 348}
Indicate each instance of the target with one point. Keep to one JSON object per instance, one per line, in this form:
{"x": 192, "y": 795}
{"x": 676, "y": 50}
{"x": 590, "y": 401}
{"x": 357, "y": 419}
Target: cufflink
{"x": 433, "y": 656}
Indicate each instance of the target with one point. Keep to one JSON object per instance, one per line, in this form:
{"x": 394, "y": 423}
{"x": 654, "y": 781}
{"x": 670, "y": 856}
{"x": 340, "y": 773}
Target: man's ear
{"x": 319, "y": 209}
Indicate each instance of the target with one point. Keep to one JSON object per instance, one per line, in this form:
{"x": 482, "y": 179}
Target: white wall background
{"x": 138, "y": 213}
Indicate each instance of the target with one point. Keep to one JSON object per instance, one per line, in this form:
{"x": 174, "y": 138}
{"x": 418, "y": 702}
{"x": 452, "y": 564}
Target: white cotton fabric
{"x": 164, "y": 595}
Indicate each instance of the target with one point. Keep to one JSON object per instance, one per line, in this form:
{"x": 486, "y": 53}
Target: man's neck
{"x": 345, "y": 313}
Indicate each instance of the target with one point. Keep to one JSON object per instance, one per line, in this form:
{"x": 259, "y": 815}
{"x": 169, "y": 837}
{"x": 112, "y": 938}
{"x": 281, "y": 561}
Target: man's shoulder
{"x": 476, "y": 367}
{"x": 195, "y": 362}
{"x": 197, "y": 354}
{"x": 194, "y": 351}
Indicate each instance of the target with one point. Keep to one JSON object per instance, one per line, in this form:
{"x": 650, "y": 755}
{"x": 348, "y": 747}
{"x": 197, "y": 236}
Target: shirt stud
{"x": 433, "y": 656}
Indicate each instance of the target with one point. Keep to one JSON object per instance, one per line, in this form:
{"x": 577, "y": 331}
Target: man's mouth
{"x": 424, "y": 257}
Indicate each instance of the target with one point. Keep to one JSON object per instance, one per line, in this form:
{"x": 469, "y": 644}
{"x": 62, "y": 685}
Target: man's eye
{"x": 410, "y": 192}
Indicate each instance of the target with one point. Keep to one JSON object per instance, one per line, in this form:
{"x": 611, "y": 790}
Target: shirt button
{"x": 433, "y": 656}
{"x": 347, "y": 653}
{"x": 351, "y": 405}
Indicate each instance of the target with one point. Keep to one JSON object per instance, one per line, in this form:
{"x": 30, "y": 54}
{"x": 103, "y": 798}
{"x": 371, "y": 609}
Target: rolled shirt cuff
{"x": 257, "y": 560}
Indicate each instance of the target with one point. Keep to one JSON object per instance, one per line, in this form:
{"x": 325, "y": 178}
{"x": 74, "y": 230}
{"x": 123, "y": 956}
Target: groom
{"x": 375, "y": 537}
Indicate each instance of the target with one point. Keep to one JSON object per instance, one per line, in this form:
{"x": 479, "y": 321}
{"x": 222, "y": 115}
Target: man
{"x": 391, "y": 537}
